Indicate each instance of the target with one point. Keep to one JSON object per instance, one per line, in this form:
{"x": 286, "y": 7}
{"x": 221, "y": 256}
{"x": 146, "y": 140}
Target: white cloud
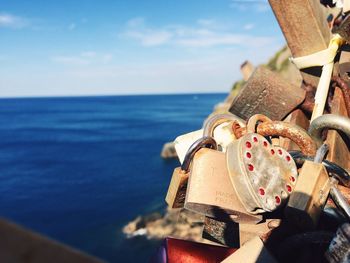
{"x": 135, "y": 22}
{"x": 248, "y": 26}
{"x": 210, "y": 72}
{"x": 150, "y": 37}
{"x": 12, "y": 21}
{"x": 88, "y": 54}
{"x": 83, "y": 59}
{"x": 106, "y": 58}
{"x": 199, "y": 35}
{"x": 224, "y": 39}
{"x": 70, "y": 60}
{"x": 254, "y": 5}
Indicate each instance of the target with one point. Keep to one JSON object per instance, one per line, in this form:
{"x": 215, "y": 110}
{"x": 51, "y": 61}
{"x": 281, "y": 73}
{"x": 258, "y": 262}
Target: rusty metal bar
{"x": 304, "y": 25}
{"x": 290, "y": 131}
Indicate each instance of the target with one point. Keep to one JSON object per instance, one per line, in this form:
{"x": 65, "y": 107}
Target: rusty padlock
{"x": 175, "y": 197}
{"x": 209, "y": 190}
{"x": 263, "y": 175}
{"x": 222, "y": 133}
{"x": 310, "y": 194}
{"x": 268, "y": 93}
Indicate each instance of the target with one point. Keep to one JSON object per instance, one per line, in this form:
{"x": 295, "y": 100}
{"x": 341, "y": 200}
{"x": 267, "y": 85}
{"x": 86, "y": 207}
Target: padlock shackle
{"x": 204, "y": 142}
{"x": 332, "y": 168}
{"x": 212, "y": 122}
{"x": 255, "y": 120}
{"x": 329, "y": 121}
{"x": 290, "y": 131}
{"x": 321, "y": 153}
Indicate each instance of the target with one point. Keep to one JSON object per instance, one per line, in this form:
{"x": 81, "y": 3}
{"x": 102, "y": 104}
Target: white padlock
{"x": 223, "y": 134}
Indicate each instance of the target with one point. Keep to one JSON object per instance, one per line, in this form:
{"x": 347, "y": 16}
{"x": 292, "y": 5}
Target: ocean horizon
{"x": 109, "y": 95}
{"x": 77, "y": 169}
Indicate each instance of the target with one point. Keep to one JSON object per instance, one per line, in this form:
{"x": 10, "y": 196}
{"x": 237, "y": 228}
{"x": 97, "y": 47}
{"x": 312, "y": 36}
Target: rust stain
{"x": 290, "y": 131}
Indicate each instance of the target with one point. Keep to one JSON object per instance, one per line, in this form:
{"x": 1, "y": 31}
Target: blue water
{"x": 78, "y": 169}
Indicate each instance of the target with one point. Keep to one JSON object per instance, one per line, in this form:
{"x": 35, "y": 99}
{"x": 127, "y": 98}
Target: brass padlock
{"x": 175, "y": 197}
{"x": 209, "y": 190}
{"x": 338, "y": 193}
{"x": 310, "y": 194}
{"x": 309, "y": 197}
{"x": 263, "y": 175}
{"x": 221, "y": 132}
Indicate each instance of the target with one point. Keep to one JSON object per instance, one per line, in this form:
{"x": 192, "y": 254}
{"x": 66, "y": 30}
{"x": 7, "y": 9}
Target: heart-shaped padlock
{"x": 262, "y": 175}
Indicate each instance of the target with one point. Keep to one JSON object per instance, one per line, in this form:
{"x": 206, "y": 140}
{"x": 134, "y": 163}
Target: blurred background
{"x": 91, "y": 90}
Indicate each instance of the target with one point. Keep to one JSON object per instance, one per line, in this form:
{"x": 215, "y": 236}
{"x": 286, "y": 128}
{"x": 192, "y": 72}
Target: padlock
{"x": 310, "y": 194}
{"x": 253, "y": 251}
{"x": 175, "y": 197}
{"x": 221, "y": 131}
{"x": 329, "y": 121}
{"x": 262, "y": 175}
{"x": 333, "y": 169}
{"x": 268, "y": 93}
{"x": 210, "y": 191}
{"x": 338, "y": 193}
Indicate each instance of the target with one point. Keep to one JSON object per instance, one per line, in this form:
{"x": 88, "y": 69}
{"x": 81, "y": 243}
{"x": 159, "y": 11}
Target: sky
{"x": 112, "y": 47}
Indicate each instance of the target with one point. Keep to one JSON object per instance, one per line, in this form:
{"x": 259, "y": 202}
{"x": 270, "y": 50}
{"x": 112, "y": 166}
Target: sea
{"x": 77, "y": 169}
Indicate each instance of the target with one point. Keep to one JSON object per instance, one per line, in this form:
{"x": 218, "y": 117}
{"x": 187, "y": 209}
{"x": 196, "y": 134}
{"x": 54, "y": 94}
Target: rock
{"x": 179, "y": 223}
{"x": 247, "y": 69}
{"x": 168, "y": 151}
